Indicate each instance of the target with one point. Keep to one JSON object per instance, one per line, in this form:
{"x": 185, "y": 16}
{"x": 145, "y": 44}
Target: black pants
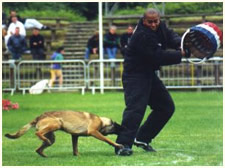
{"x": 38, "y": 53}
{"x": 141, "y": 91}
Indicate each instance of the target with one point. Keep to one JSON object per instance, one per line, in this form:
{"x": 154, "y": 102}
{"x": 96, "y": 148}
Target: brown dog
{"x": 75, "y": 123}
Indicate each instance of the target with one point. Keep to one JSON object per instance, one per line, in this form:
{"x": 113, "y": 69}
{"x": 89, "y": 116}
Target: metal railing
{"x": 188, "y": 75}
{"x": 181, "y": 76}
{"x": 78, "y": 75}
{"x": 74, "y": 74}
{"x": 9, "y": 76}
{"x": 112, "y": 74}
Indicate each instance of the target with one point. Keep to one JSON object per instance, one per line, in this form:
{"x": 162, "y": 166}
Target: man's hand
{"x": 186, "y": 53}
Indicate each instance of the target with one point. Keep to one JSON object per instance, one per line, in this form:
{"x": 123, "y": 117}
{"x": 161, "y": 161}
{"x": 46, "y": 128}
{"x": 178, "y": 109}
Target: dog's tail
{"x": 22, "y": 131}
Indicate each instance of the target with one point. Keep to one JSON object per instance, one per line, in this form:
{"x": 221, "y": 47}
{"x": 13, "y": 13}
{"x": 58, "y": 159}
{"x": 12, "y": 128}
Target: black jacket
{"x": 146, "y": 51}
{"x": 111, "y": 40}
{"x": 39, "y": 39}
{"x": 93, "y": 42}
{"x": 124, "y": 40}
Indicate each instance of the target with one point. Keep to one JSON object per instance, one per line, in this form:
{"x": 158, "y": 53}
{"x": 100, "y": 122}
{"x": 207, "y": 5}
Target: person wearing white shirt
{"x": 12, "y": 27}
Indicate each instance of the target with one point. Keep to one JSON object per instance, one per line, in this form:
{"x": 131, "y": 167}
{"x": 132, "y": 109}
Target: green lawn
{"x": 193, "y": 136}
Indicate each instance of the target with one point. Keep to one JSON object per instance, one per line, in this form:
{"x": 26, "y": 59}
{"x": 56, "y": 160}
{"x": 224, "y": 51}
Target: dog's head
{"x": 110, "y": 127}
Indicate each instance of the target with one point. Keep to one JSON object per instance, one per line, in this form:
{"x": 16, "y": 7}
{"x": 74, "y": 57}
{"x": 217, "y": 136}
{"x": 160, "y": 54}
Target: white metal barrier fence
{"x": 8, "y": 76}
{"x": 184, "y": 75}
{"x": 188, "y": 75}
{"x": 74, "y": 74}
{"x": 112, "y": 74}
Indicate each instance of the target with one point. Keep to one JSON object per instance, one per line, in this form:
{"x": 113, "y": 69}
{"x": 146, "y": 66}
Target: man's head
{"x": 130, "y": 29}
{"x": 60, "y": 50}
{"x": 14, "y": 19}
{"x": 112, "y": 29}
{"x": 12, "y": 13}
{"x": 17, "y": 31}
{"x": 151, "y": 19}
{"x": 36, "y": 31}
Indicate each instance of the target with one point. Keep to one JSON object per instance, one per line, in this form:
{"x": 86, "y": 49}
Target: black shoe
{"x": 126, "y": 151}
{"x": 45, "y": 28}
{"x": 144, "y": 146}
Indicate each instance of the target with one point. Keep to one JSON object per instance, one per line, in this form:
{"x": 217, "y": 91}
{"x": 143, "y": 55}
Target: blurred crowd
{"x": 14, "y": 36}
{"x": 112, "y": 42}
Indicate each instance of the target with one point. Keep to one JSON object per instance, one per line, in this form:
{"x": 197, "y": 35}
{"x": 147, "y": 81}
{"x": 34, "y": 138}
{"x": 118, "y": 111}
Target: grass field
{"x": 193, "y": 136}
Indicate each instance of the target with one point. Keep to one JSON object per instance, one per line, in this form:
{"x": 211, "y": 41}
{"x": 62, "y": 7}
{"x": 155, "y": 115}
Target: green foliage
{"x": 193, "y": 7}
{"x": 138, "y": 10}
{"x": 19, "y": 6}
{"x": 68, "y": 14}
{"x": 192, "y": 137}
{"x": 173, "y": 8}
{"x": 73, "y": 10}
{"x": 89, "y": 10}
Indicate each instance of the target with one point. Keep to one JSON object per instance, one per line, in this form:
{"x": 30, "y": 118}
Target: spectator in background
{"x": 11, "y": 30}
{"x": 111, "y": 42}
{"x": 37, "y": 45}
{"x": 28, "y": 23}
{"x": 17, "y": 44}
{"x": 56, "y": 68}
{"x": 92, "y": 46}
{"x": 125, "y": 38}
{"x": 4, "y": 19}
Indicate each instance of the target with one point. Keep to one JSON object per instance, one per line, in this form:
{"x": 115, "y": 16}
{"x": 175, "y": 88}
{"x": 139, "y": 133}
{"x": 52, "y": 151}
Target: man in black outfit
{"x": 92, "y": 46}
{"x": 146, "y": 52}
{"x": 125, "y": 39}
{"x": 37, "y": 45}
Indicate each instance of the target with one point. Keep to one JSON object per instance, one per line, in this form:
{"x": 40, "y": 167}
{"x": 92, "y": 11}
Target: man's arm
{"x": 155, "y": 55}
{"x": 122, "y": 41}
{"x": 31, "y": 42}
{"x": 174, "y": 39}
{"x": 9, "y": 44}
{"x": 23, "y": 44}
{"x": 22, "y": 29}
{"x": 42, "y": 41}
{"x": 11, "y": 29}
{"x": 89, "y": 43}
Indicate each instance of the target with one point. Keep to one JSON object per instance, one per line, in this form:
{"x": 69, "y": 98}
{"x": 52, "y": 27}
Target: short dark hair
{"x": 151, "y": 11}
{"x": 12, "y": 11}
{"x": 60, "y": 49}
{"x": 36, "y": 28}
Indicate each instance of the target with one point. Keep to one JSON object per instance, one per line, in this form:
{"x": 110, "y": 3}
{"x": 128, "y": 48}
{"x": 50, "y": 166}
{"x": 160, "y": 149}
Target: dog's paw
{"x": 39, "y": 151}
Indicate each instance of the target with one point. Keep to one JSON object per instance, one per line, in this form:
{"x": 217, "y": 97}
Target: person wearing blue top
{"x": 17, "y": 44}
{"x": 56, "y": 68}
